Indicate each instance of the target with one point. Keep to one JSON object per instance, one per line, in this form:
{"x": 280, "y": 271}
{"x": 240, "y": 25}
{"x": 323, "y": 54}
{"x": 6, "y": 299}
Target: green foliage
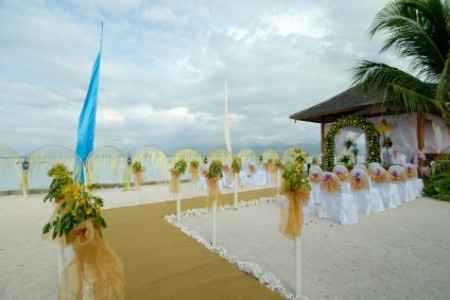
{"x": 372, "y": 138}
{"x": 236, "y": 164}
{"x": 180, "y": 166}
{"x": 437, "y": 186}
{"x": 349, "y": 144}
{"x": 137, "y": 167}
{"x": 215, "y": 169}
{"x": 279, "y": 164}
{"x": 194, "y": 164}
{"x": 418, "y": 30}
{"x": 294, "y": 174}
{"x": 76, "y": 204}
{"x": 61, "y": 177}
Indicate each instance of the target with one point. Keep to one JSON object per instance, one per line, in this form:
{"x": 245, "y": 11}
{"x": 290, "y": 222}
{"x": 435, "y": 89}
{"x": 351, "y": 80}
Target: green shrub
{"x": 437, "y": 186}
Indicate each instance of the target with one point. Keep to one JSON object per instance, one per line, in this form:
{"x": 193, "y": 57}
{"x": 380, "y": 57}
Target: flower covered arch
{"x": 372, "y": 140}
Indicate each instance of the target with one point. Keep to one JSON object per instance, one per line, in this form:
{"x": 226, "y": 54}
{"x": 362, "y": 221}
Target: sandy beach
{"x": 401, "y": 253}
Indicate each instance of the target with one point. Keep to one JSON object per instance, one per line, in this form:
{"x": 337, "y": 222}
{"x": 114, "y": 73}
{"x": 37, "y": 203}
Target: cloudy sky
{"x": 165, "y": 64}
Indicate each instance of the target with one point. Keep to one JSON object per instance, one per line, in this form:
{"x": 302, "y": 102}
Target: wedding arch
{"x": 372, "y": 140}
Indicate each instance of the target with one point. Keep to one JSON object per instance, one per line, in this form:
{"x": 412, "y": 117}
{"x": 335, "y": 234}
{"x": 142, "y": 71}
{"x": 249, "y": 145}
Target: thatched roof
{"x": 354, "y": 101}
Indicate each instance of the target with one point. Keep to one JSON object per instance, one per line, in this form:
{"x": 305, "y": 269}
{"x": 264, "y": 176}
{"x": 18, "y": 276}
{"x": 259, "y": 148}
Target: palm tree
{"x": 418, "y": 30}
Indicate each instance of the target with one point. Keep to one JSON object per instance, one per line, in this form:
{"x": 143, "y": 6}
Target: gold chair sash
{"x": 330, "y": 184}
{"x": 359, "y": 182}
{"x": 213, "y": 190}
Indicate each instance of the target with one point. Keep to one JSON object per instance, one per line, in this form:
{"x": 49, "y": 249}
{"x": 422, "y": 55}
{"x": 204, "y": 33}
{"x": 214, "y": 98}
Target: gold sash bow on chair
{"x": 94, "y": 264}
{"x": 315, "y": 177}
{"x": 359, "y": 181}
{"x": 330, "y": 183}
{"x": 174, "y": 185}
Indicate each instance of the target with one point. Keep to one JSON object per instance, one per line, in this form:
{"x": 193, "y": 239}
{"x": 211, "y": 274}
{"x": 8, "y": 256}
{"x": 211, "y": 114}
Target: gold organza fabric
{"x": 411, "y": 172}
{"x": 213, "y": 190}
{"x": 330, "y": 185}
{"x": 138, "y": 179}
{"x": 194, "y": 173}
{"x": 174, "y": 185}
{"x": 94, "y": 265}
{"x": 315, "y": 178}
{"x": 292, "y": 219}
{"x": 380, "y": 176}
{"x": 343, "y": 176}
{"x": 359, "y": 183}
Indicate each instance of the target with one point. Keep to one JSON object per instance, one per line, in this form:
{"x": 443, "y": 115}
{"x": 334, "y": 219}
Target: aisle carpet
{"x": 163, "y": 263}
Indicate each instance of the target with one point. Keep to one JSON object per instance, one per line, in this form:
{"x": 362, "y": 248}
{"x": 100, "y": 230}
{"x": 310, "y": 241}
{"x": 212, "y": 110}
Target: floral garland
{"x": 372, "y": 138}
{"x": 236, "y": 164}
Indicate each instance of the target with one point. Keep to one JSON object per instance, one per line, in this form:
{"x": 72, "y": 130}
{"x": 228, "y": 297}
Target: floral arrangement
{"x": 215, "y": 170}
{"x": 76, "y": 204}
{"x": 137, "y": 167}
{"x": 297, "y": 188}
{"x": 180, "y": 167}
{"x": 372, "y": 136}
{"x": 330, "y": 183}
{"x": 341, "y": 172}
{"x": 193, "y": 165}
{"x": 236, "y": 164}
{"x": 348, "y": 159}
{"x": 78, "y": 222}
{"x": 359, "y": 180}
{"x": 279, "y": 164}
{"x": 294, "y": 176}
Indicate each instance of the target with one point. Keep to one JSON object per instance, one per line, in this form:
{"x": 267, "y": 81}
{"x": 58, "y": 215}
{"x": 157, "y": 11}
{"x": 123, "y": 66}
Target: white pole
{"x": 236, "y": 187}
{"x": 298, "y": 270}
{"x": 213, "y": 225}
{"x": 278, "y": 183}
{"x": 177, "y": 197}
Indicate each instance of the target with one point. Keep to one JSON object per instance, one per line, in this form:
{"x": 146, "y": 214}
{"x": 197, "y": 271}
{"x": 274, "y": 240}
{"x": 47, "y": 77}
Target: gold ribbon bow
{"x": 94, "y": 263}
{"x": 213, "y": 190}
{"x": 292, "y": 219}
{"x": 174, "y": 185}
{"x": 194, "y": 173}
{"x": 359, "y": 182}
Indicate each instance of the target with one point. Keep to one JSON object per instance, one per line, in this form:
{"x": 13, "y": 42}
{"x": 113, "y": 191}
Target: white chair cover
{"x": 314, "y": 202}
{"x": 339, "y": 207}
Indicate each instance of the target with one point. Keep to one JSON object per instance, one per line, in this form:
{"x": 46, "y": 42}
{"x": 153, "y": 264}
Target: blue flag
{"x": 86, "y": 123}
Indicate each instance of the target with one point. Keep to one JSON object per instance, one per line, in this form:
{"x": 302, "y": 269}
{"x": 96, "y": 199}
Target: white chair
{"x": 337, "y": 206}
{"x": 344, "y": 176}
{"x": 413, "y": 183}
{"x": 398, "y": 174}
{"x": 315, "y": 175}
{"x": 368, "y": 199}
{"x": 380, "y": 185}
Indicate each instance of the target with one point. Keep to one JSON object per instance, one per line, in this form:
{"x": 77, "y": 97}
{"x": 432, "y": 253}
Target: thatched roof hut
{"x": 371, "y": 106}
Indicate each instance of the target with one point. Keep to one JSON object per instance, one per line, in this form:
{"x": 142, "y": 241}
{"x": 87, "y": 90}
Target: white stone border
{"x": 264, "y": 277}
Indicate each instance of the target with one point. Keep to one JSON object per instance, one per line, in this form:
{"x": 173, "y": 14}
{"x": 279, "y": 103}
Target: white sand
{"x": 402, "y": 253}
{"x": 28, "y": 264}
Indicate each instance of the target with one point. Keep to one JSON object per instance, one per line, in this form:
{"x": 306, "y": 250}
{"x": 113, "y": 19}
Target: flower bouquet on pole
{"x": 138, "y": 174}
{"x": 194, "y": 170}
{"x": 279, "y": 166}
{"x": 94, "y": 271}
{"x": 297, "y": 190}
{"x": 178, "y": 169}
{"x": 24, "y": 177}
{"x": 214, "y": 174}
{"x": 236, "y": 166}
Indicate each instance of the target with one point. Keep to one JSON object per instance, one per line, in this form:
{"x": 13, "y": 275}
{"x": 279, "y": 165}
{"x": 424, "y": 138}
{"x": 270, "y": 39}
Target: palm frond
{"x": 443, "y": 87}
{"x": 418, "y": 29}
{"x": 382, "y": 76}
{"x": 411, "y": 100}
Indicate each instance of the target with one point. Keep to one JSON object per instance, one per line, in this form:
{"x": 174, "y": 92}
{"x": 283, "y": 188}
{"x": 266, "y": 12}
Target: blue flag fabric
{"x": 86, "y": 123}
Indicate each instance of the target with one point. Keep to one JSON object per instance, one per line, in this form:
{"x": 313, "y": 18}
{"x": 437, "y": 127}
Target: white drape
{"x": 227, "y": 134}
{"x": 437, "y": 137}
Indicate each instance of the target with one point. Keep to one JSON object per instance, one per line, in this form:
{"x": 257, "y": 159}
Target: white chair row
{"x": 343, "y": 197}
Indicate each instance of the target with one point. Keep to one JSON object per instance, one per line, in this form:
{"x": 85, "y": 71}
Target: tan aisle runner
{"x": 163, "y": 263}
